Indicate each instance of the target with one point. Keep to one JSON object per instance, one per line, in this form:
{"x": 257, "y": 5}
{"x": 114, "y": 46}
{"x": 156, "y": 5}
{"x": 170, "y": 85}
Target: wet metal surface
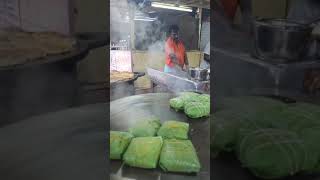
{"x": 69, "y": 144}
{"x": 128, "y": 111}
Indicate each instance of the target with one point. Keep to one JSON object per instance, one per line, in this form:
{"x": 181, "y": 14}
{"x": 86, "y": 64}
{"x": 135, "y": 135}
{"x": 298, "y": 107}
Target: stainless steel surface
{"x": 192, "y": 73}
{"x": 198, "y": 74}
{"x": 280, "y": 40}
{"x": 246, "y": 57}
{"x": 128, "y": 111}
{"x": 176, "y": 83}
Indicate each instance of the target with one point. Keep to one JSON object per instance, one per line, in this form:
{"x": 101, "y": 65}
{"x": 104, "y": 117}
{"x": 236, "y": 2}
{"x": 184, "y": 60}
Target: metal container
{"x": 281, "y": 40}
{"x": 198, "y": 74}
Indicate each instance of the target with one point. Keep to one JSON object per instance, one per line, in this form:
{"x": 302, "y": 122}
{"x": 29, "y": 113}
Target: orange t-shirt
{"x": 177, "y": 48}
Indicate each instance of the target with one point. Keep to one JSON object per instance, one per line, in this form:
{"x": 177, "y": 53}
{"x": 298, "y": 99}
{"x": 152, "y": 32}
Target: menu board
{"x": 9, "y": 13}
{"x": 120, "y": 61}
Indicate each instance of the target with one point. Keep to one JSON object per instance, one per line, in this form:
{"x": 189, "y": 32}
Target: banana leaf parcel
{"x": 119, "y": 141}
{"x": 197, "y": 109}
{"x": 272, "y": 153}
{"x": 189, "y": 96}
{"x": 146, "y": 128}
{"x": 174, "y": 130}
{"x": 204, "y": 98}
{"x": 179, "y": 156}
{"x": 143, "y": 152}
{"x": 177, "y": 103}
{"x": 270, "y": 138}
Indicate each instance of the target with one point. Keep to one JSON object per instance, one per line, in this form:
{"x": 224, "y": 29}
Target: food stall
{"x": 142, "y": 30}
{"x": 148, "y": 118}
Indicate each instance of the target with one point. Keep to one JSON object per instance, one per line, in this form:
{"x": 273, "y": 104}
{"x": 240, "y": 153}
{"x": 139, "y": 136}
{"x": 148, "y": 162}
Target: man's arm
{"x": 186, "y": 62}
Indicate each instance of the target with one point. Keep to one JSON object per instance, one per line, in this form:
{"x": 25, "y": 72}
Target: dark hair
{"x": 173, "y": 28}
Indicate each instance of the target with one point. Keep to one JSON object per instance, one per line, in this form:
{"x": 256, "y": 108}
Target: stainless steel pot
{"x": 281, "y": 40}
{"x": 198, "y": 74}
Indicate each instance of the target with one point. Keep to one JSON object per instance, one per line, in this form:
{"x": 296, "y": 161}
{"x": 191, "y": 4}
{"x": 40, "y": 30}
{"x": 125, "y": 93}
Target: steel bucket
{"x": 280, "y": 40}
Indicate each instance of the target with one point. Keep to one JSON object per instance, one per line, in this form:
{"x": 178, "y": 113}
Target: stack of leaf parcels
{"x": 148, "y": 144}
{"x": 270, "y": 138}
{"x": 193, "y": 104}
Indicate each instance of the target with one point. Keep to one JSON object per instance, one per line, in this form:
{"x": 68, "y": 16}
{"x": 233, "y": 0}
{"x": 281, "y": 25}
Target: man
{"x": 176, "y": 56}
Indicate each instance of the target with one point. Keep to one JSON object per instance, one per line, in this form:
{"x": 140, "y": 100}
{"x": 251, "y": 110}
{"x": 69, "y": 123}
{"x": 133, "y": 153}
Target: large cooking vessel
{"x": 128, "y": 111}
{"x": 281, "y": 40}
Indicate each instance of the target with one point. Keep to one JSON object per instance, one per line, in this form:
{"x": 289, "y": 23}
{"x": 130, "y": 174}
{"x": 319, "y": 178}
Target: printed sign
{"x": 120, "y": 60}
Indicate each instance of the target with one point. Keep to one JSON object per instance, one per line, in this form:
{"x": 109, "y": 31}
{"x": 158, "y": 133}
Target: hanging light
{"x": 171, "y": 6}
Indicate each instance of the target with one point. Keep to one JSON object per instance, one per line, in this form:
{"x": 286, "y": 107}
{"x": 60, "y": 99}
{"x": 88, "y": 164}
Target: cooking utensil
{"x": 281, "y": 40}
{"x": 124, "y": 88}
{"x": 129, "y": 81}
{"x": 128, "y": 111}
{"x": 198, "y": 74}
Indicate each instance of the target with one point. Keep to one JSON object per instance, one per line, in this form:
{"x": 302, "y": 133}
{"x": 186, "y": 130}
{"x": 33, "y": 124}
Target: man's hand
{"x": 173, "y": 57}
{"x": 186, "y": 67}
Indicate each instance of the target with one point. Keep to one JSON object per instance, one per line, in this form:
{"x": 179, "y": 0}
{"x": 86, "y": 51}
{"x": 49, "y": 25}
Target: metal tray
{"x": 85, "y": 43}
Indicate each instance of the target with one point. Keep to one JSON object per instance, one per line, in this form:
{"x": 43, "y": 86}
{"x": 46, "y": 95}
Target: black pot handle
{"x": 94, "y": 39}
{"x": 140, "y": 74}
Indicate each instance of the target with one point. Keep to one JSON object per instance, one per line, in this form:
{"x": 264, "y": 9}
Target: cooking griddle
{"x": 126, "y": 112}
{"x": 69, "y": 144}
{"x": 85, "y": 43}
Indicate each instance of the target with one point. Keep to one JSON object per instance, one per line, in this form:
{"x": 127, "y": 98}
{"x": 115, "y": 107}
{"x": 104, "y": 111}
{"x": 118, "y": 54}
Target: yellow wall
{"x": 156, "y": 60}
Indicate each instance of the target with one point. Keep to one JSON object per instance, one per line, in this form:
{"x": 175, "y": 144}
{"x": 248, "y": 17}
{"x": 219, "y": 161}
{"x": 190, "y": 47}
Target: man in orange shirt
{"x": 176, "y": 56}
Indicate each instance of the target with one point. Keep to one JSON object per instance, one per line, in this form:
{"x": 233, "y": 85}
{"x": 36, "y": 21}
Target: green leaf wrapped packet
{"x": 174, "y": 130}
{"x": 223, "y": 134}
{"x": 189, "y": 96}
{"x": 146, "y": 128}
{"x": 197, "y": 109}
{"x": 204, "y": 98}
{"x": 119, "y": 141}
{"x": 177, "y": 103}
{"x": 179, "y": 156}
{"x": 310, "y": 136}
{"x": 143, "y": 152}
{"x": 272, "y": 153}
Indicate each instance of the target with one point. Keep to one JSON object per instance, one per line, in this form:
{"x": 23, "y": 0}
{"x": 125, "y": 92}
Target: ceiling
{"x": 120, "y": 8}
{"x": 189, "y": 3}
